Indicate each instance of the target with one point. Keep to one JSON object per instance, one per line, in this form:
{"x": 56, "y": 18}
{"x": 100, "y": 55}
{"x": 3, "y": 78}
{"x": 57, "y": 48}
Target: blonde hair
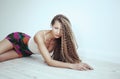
{"x": 66, "y": 46}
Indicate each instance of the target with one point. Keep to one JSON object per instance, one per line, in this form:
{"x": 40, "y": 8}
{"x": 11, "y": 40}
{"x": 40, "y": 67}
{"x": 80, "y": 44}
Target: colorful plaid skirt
{"x": 20, "y": 43}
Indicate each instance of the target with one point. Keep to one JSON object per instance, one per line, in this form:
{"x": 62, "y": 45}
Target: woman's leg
{"x": 5, "y": 45}
{"x": 11, "y": 54}
{"x": 6, "y": 50}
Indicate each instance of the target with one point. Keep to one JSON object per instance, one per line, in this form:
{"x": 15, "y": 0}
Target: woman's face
{"x": 57, "y": 29}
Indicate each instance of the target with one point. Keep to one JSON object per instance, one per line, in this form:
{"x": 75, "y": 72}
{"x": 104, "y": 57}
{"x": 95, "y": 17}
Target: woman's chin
{"x": 57, "y": 37}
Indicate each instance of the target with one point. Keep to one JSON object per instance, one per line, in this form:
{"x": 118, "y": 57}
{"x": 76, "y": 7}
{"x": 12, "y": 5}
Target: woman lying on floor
{"x": 59, "y": 40}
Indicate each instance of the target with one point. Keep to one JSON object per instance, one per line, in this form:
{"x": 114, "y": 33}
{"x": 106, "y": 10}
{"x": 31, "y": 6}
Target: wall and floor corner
{"x": 96, "y": 23}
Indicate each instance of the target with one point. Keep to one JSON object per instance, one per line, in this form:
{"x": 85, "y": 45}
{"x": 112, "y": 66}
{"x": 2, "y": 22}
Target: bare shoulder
{"x": 40, "y": 35}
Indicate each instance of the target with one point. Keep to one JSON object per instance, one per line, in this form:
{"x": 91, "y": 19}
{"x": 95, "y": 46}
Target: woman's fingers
{"x": 81, "y": 66}
{"x": 87, "y": 66}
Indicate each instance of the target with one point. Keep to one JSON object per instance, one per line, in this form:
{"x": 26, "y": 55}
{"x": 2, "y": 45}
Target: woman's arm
{"x": 46, "y": 55}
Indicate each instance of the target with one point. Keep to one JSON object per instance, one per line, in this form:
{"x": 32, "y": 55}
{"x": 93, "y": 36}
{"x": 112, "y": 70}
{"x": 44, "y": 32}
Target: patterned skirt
{"x": 20, "y": 43}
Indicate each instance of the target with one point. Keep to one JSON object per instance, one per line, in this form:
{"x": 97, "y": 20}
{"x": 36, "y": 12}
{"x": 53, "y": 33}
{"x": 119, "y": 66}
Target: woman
{"x": 60, "y": 41}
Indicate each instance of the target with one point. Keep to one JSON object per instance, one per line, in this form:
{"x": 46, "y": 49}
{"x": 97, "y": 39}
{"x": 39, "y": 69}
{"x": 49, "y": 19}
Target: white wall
{"x": 96, "y": 23}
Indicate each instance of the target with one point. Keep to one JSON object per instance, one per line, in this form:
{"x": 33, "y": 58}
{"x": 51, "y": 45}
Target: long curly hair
{"x": 66, "y": 46}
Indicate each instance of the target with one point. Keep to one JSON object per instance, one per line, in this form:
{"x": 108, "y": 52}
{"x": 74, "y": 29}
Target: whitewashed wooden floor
{"x": 34, "y": 68}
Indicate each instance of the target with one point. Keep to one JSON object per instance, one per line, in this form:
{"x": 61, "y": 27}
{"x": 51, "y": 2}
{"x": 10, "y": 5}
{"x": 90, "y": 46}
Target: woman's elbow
{"x": 49, "y": 62}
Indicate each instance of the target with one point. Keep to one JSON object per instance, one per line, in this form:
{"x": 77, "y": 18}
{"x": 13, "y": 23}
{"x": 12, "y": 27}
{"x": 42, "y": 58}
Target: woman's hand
{"x": 81, "y": 66}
